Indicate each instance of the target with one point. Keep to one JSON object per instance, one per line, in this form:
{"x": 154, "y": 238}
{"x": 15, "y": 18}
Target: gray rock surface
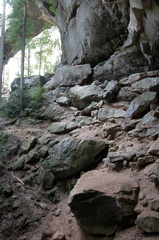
{"x": 72, "y": 155}
{"x": 100, "y": 201}
{"x": 53, "y": 112}
{"x": 146, "y": 84}
{"x": 141, "y": 103}
{"x": 28, "y": 144}
{"x": 82, "y": 96}
{"x": 33, "y": 81}
{"x": 126, "y": 94}
{"x": 69, "y": 76}
{"x": 106, "y": 113}
{"x": 85, "y": 29}
{"x": 148, "y": 221}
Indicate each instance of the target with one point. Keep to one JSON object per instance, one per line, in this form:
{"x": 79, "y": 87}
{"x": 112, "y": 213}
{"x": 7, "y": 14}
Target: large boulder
{"x": 69, "y": 76}
{"x": 141, "y": 104}
{"x": 9, "y": 146}
{"x": 147, "y": 126}
{"x": 72, "y": 155}
{"x": 29, "y": 82}
{"x": 105, "y": 113}
{"x": 82, "y": 96}
{"x": 102, "y": 200}
{"x": 53, "y": 112}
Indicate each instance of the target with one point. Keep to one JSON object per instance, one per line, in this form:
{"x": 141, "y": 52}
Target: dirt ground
{"x": 52, "y": 221}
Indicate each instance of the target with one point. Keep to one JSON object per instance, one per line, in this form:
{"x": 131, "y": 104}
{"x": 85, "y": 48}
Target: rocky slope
{"x": 88, "y": 169}
{"x": 103, "y": 134}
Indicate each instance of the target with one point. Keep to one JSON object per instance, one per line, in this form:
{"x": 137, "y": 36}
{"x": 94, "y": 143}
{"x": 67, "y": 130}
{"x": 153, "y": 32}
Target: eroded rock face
{"x": 91, "y": 30}
{"x": 101, "y": 201}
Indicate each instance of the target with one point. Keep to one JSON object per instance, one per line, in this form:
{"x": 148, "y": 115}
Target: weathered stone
{"x": 59, "y": 236}
{"x": 141, "y": 103}
{"x": 154, "y": 205}
{"x": 46, "y": 138}
{"x": 98, "y": 71}
{"x": 71, "y": 126}
{"x": 72, "y": 155}
{"x": 69, "y": 76}
{"x": 126, "y": 94}
{"x": 53, "y": 112}
{"x": 111, "y": 129}
{"x": 93, "y": 106}
{"x": 58, "y": 94}
{"x": 146, "y": 160}
{"x": 30, "y": 179}
{"x": 28, "y": 144}
{"x": 146, "y": 84}
{"x": 111, "y": 90}
{"x": 101, "y": 200}
{"x": 124, "y": 63}
{"x": 9, "y": 146}
{"x": 43, "y": 151}
{"x": 120, "y": 156}
{"x": 148, "y": 126}
{"x": 64, "y": 101}
{"x": 29, "y": 82}
{"x": 47, "y": 180}
{"x": 19, "y": 164}
{"x": 154, "y": 148}
{"x": 82, "y": 96}
{"x": 57, "y": 128}
{"x": 132, "y": 78}
{"x": 148, "y": 221}
{"x": 106, "y": 113}
{"x": 32, "y": 157}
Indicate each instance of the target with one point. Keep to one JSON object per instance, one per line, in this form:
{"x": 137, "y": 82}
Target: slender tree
{"x": 2, "y": 46}
{"x": 23, "y": 52}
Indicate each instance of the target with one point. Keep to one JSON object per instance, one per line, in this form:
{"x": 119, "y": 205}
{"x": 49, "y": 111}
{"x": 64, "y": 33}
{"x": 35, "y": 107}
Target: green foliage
{"x": 52, "y": 6}
{"x": 53, "y": 195}
{"x": 42, "y": 48}
{"x": 32, "y": 101}
{"x": 11, "y": 107}
{"x": 47, "y": 164}
{"x": 15, "y": 28}
{"x": 3, "y": 138}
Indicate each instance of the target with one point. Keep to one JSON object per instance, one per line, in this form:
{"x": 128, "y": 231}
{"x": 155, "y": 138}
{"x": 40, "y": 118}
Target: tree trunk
{"x": 23, "y": 55}
{"x": 2, "y": 46}
{"x": 29, "y": 70}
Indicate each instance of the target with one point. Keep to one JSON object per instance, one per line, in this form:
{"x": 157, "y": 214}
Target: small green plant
{"x": 53, "y": 196}
{"x": 32, "y": 100}
{"x": 3, "y": 138}
{"x": 52, "y": 5}
{"x": 47, "y": 164}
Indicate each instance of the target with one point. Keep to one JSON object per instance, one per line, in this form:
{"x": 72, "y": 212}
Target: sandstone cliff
{"x": 100, "y": 153}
